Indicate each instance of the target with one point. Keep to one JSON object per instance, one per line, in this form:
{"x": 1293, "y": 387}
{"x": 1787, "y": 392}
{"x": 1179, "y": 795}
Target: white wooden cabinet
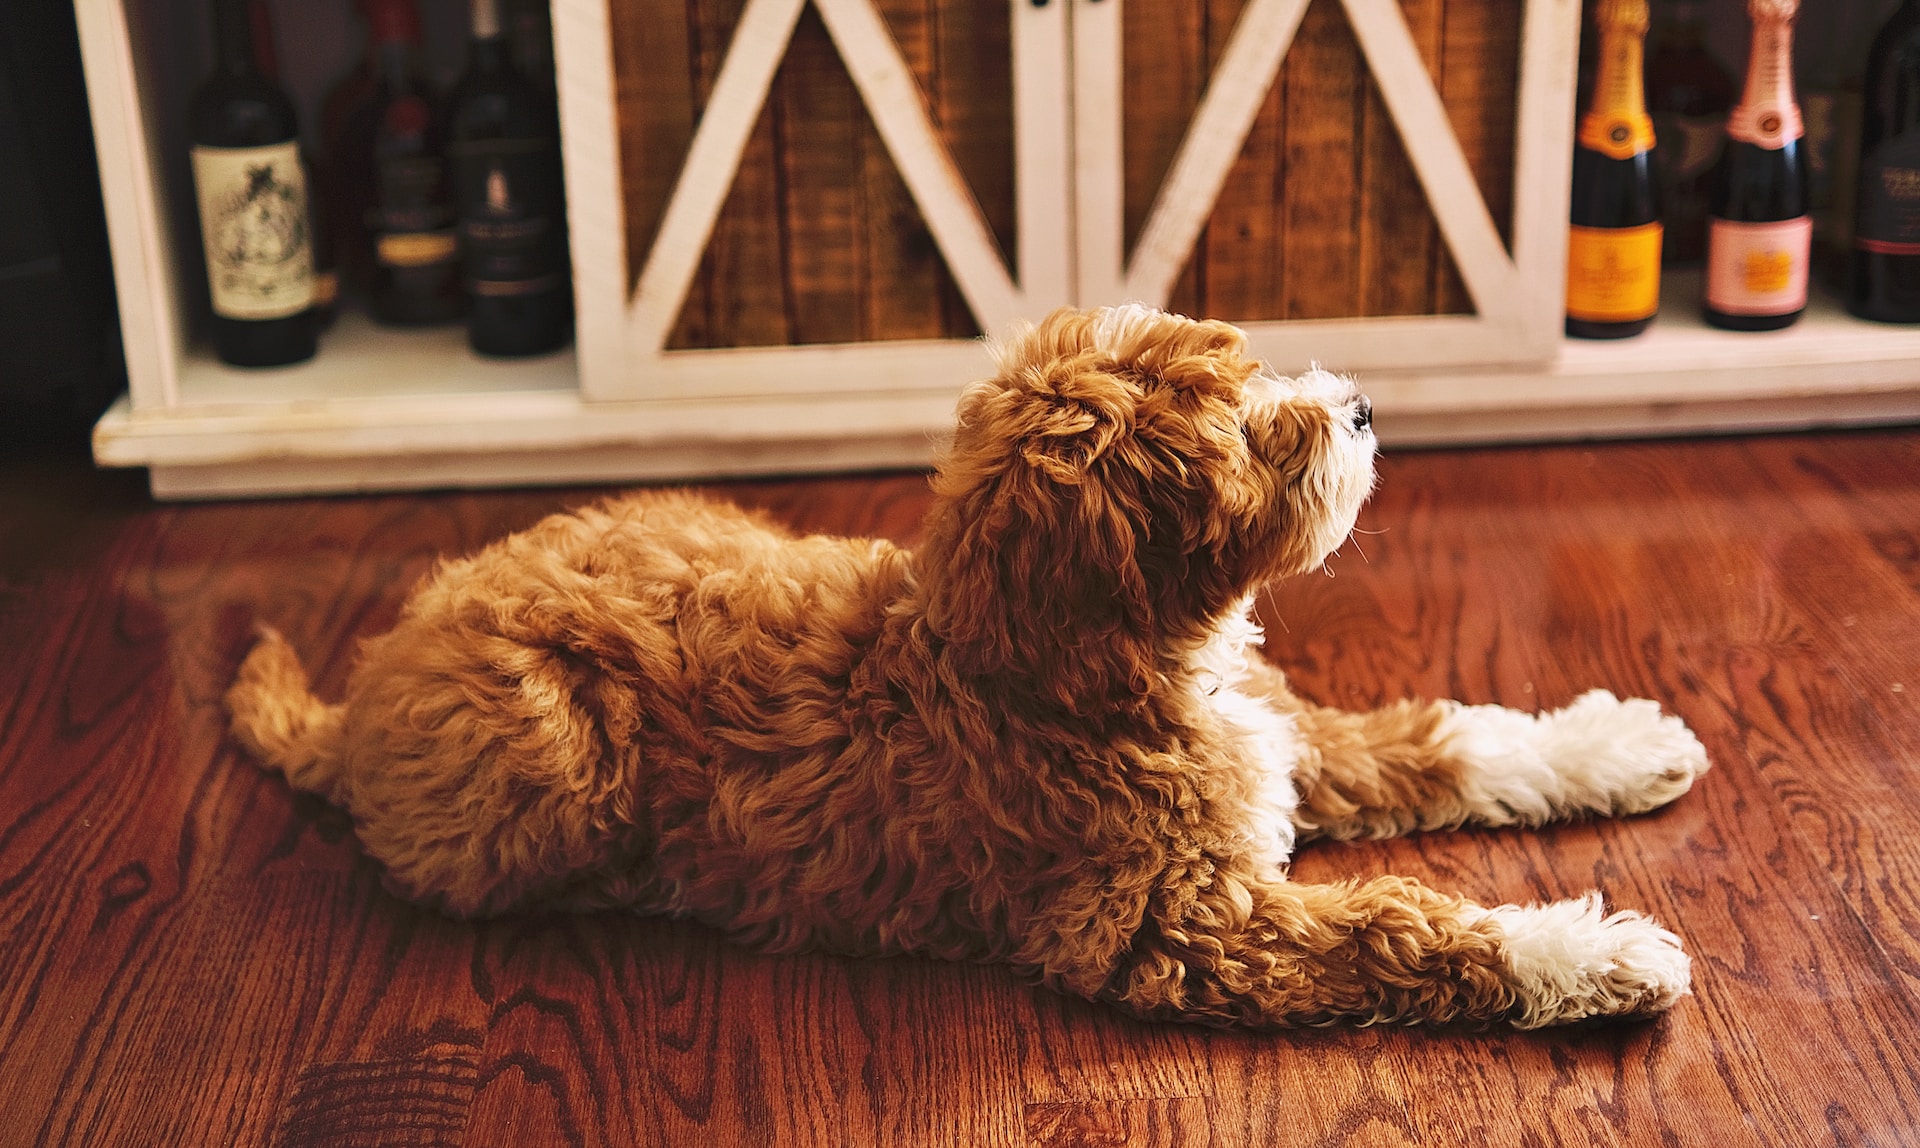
{"x": 383, "y": 409}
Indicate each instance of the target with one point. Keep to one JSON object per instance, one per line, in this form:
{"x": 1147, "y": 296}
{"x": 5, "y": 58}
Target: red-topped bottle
{"x": 400, "y": 139}
{"x": 1759, "y": 232}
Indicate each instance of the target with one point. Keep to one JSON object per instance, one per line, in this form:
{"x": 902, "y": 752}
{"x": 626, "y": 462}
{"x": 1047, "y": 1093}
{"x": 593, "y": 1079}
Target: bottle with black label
{"x": 1759, "y": 232}
{"x": 1885, "y": 280}
{"x": 250, "y": 187}
{"x": 504, "y": 150}
{"x": 1613, "y": 246}
{"x": 413, "y": 255}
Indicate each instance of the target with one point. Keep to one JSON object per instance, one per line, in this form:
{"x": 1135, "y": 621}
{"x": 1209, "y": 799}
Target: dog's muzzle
{"x": 1362, "y": 413}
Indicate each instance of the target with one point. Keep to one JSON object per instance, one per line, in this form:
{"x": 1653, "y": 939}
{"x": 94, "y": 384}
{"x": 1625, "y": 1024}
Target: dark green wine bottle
{"x": 251, "y": 190}
{"x": 1885, "y": 280}
{"x": 504, "y": 144}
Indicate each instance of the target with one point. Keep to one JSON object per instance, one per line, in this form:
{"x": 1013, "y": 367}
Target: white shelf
{"x": 1680, "y": 376}
{"x": 359, "y": 360}
{"x": 383, "y": 409}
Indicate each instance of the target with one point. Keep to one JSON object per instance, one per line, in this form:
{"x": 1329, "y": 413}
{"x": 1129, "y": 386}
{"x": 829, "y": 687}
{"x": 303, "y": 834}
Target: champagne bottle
{"x": 1613, "y": 246}
{"x": 1759, "y": 232}
{"x": 251, "y": 191}
{"x": 1689, "y": 95}
{"x": 504, "y": 148}
{"x": 1885, "y": 280}
{"x": 398, "y": 140}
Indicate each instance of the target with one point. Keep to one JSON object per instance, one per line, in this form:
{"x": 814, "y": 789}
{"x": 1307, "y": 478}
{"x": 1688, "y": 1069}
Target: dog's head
{"x": 1125, "y": 480}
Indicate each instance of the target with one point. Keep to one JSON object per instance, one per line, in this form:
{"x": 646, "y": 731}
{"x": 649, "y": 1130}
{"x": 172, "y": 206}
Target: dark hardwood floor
{"x": 189, "y": 955}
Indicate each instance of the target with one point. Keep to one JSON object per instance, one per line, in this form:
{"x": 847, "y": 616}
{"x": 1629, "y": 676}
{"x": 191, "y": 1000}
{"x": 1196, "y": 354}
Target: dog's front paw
{"x": 1569, "y": 960}
{"x": 1616, "y": 756}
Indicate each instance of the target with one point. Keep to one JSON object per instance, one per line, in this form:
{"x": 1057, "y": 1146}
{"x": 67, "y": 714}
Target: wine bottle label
{"x": 410, "y": 195}
{"x": 415, "y": 248}
{"x": 413, "y": 226}
{"x": 1613, "y": 273}
{"x": 1758, "y": 268}
{"x": 510, "y": 237}
{"x": 1888, "y": 218}
{"x": 254, "y": 230}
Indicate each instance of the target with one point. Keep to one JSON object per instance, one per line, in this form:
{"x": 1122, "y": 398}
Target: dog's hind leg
{"x": 1390, "y": 951}
{"x": 1431, "y": 765}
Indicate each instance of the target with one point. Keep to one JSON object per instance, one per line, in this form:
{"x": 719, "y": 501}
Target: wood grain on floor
{"x": 191, "y": 955}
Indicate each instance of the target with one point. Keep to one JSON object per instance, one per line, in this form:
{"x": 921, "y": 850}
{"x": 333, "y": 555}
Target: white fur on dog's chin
{"x": 1598, "y": 755}
{"x": 1569, "y": 960}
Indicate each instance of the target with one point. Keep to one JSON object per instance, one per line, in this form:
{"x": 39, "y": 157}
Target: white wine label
{"x": 253, "y": 227}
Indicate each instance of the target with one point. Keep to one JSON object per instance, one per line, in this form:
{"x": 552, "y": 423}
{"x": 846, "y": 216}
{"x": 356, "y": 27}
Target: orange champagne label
{"x": 1617, "y": 124}
{"x": 1613, "y": 273}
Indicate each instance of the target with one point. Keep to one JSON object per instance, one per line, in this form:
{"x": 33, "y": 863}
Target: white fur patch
{"x": 1569, "y": 960}
{"x": 1266, "y": 739}
{"x": 1598, "y": 755}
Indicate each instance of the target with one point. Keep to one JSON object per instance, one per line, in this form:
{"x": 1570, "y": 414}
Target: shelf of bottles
{"x": 408, "y": 236}
{"x": 1783, "y": 187}
{"x": 375, "y": 86}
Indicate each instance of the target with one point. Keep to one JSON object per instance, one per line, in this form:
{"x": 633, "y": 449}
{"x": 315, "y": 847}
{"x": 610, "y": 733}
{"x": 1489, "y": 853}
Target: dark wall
{"x": 60, "y": 356}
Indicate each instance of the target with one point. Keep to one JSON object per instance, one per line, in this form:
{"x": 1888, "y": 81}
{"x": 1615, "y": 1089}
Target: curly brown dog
{"x": 1041, "y": 738}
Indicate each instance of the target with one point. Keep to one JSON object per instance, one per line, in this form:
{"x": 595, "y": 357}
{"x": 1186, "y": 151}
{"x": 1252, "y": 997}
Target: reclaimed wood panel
{"x": 192, "y": 955}
{"x": 818, "y": 239}
{"x": 1321, "y": 215}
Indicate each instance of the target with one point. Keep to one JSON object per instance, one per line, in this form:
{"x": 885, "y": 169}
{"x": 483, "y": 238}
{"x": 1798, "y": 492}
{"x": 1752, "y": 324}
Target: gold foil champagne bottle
{"x": 1613, "y": 246}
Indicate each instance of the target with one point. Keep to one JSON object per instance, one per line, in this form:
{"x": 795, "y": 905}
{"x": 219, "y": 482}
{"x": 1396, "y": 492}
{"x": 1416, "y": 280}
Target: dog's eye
{"x": 1362, "y": 413}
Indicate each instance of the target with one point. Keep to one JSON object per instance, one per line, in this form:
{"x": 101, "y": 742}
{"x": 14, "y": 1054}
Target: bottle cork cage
{"x": 844, "y": 174}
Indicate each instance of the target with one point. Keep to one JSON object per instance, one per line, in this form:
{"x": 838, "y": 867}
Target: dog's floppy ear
{"x": 1031, "y": 560}
{"x": 1064, "y": 550}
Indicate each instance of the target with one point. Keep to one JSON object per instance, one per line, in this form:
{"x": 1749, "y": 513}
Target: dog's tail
{"x": 277, "y": 718}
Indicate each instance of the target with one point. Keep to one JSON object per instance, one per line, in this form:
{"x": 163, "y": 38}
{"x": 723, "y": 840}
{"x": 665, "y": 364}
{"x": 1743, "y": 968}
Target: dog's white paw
{"x": 1569, "y": 960}
{"x": 1598, "y": 755}
{"x": 1620, "y": 756}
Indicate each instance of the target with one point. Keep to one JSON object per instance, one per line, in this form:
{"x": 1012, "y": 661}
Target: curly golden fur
{"x": 1039, "y": 739}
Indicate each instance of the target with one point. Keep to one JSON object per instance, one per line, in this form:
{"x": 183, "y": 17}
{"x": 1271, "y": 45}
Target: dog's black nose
{"x": 1362, "y": 413}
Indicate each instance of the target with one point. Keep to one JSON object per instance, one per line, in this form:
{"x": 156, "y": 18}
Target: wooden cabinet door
{"x": 816, "y": 196}
{"x": 1364, "y": 183}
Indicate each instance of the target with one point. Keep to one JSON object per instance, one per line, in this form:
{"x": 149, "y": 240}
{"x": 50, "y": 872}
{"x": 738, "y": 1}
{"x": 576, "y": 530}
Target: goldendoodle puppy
{"x": 1041, "y": 738}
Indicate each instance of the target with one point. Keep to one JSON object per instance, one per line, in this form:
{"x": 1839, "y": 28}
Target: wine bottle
{"x": 326, "y": 270}
{"x": 504, "y": 147}
{"x": 398, "y": 137}
{"x": 1613, "y": 246}
{"x": 1885, "y": 279}
{"x": 251, "y": 191}
{"x": 1689, "y": 95}
{"x": 1759, "y": 232}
